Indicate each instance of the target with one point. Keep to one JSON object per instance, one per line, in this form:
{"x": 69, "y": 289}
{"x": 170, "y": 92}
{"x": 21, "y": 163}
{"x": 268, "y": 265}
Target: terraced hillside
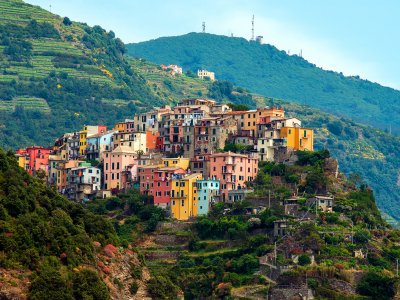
{"x": 46, "y": 50}
{"x": 56, "y": 75}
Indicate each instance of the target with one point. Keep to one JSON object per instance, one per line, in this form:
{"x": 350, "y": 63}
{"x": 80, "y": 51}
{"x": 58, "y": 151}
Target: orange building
{"x": 151, "y": 140}
{"x": 298, "y": 138}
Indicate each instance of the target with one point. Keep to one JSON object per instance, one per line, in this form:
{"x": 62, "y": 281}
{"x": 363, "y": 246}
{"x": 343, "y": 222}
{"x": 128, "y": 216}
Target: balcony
{"x": 229, "y": 162}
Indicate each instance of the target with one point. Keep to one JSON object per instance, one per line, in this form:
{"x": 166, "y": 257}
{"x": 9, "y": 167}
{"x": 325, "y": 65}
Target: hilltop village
{"x": 186, "y": 157}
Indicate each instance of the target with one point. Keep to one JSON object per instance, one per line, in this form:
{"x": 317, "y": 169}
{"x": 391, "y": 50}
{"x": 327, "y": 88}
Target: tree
{"x": 67, "y": 21}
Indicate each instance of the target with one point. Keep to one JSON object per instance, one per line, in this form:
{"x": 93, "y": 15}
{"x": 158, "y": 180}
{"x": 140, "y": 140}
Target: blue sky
{"x": 356, "y": 37}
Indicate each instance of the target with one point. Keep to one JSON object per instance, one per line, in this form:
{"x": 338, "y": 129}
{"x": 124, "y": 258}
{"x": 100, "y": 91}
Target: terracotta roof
{"x": 228, "y": 154}
{"x": 101, "y": 134}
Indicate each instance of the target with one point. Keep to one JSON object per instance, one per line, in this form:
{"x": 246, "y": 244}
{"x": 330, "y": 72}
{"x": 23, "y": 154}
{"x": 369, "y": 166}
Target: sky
{"x": 356, "y": 37}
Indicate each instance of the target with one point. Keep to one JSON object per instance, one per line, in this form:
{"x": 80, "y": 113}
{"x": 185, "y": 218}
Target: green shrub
{"x": 304, "y": 260}
{"x": 376, "y": 286}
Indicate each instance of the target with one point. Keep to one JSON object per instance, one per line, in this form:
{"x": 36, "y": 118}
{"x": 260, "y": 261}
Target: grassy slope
{"x": 360, "y": 149}
{"x": 268, "y": 71}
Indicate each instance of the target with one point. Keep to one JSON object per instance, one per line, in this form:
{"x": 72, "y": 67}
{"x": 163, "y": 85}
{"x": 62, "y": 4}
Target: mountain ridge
{"x": 271, "y": 72}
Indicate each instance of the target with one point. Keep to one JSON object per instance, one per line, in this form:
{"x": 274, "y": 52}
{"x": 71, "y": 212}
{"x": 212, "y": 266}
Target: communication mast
{"x": 252, "y": 29}
{"x": 204, "y": 27}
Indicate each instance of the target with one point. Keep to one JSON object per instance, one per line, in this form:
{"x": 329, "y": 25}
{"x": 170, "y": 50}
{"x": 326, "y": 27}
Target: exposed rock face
{"x": 14, "y": 284}
{"x": 117, "y": 266}
{"x": 331, "y": 166}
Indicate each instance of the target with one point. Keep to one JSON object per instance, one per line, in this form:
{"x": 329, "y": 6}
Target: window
{"x": 112, "y": 166}
{"x": 290, "y": 131}
{"x": 183, "y": 202}
{"x": 117, "y": 165}
{"x": 112, "y": 176}
{"x": 173, "y": 202}
{"x": 305, "y": 133}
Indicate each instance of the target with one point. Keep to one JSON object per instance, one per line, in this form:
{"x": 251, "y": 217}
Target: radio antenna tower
{"x": 204, "y": 27}
{"x": 252, "y": 29}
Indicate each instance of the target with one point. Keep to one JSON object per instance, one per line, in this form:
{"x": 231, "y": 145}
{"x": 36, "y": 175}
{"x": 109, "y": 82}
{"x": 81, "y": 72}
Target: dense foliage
{"x": 43, "y": 232}
{"x": 136, "y": 210}
{"x": 266, "y": 70}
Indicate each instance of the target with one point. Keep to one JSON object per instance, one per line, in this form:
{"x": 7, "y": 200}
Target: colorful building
{"x": 208, "y": 194}
{"x": 86, "y": 132}
{"x": 83, "y": 182}
{"x": 247, "y": 120}
{"x": 180, "y": 162}
{"x": 298, "y": 138}
{"x": 162, "y": 184}
{"x": 115, "y": 164}
{"x": 98, "y": 143}
{"x": 184, "y": 202}
{"x": 146, "y": 176}
{"x": 233, "y": 170}
{"x": 135, "y": 141}
{"x": 34, "y": 158}
{"x": 151, "y": 140}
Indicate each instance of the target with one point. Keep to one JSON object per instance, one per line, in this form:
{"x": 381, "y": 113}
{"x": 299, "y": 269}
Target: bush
{"x": 161, "y": 287}
{"x": 304, "y": 260}
{"x": 88, "y": 285}
{"x": 376, "y": 286}
{"x": 134, "y": 288}
{"x": 67, "y": 21}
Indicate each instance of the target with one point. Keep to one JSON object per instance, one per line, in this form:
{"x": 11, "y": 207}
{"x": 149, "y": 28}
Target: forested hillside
{"x": 268, "y": 71}
{"x": 46, "y": 237}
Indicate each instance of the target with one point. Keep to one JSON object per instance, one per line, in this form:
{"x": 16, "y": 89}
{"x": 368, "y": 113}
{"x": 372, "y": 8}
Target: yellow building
{"x": 88, "y": 131}
{"x": 298, "y": 138}
{"x": 82, "y": 140}
{"x": 22, "y": 161}
{"x": 180, "y": 162}
{"x": 120, "y": 126}
{"x": 184, "y": 197}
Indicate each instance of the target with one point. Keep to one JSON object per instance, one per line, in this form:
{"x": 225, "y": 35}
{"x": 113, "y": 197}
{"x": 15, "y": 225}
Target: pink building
{"x": 233, "y": 170}
{"x": 34, "y": 158}
{"x": 118, "y": 167}
{"x": 162, "y": 184}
